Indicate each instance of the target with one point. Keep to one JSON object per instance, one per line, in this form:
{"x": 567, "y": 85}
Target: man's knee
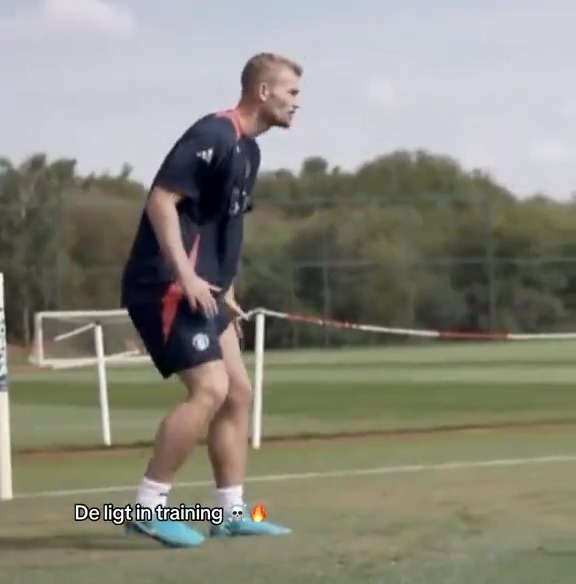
{"x": 239, "y": 392}
{"x": 240, "y": 389}
{"x": 212, "y": 393}
{"x": 207, "y": 384}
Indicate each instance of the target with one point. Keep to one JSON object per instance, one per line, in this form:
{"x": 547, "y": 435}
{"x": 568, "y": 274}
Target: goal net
{"x": 68, "y": 339}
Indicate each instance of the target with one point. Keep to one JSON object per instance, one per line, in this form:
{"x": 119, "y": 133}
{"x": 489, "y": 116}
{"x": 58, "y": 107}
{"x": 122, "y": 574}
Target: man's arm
{"x": 161, "y": 209}
{"x": 229, "y": 294}
{"x": 237, "y": 313}
{"x": 179, "y": 178}
{"x": 230, "y": 298}
{"x": 163, "y": 215}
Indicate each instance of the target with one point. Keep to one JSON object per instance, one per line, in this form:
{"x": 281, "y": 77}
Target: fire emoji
{"x": 258, "y": 513}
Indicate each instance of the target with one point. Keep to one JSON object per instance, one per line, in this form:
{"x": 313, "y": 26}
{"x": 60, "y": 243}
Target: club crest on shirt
{"x": 235, "y": 202}
{"x": 240, "y": 196}
{"x": 239, "y": 202}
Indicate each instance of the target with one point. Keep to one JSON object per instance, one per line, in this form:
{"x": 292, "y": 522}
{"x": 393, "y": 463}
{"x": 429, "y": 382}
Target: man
{"x": 178, "y": 288}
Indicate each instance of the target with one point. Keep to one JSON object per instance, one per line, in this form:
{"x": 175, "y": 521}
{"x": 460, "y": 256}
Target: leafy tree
{"x": 408, "y": 239}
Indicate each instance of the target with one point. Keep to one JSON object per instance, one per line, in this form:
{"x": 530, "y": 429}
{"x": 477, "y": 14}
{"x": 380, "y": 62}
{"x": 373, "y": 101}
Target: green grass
{"x": 306, "y": 392}
{"x": 498, "y": 525}
{"x": 509, "y": 523}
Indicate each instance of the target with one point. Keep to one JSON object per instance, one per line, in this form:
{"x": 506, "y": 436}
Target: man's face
{"x": 279, "y": 97}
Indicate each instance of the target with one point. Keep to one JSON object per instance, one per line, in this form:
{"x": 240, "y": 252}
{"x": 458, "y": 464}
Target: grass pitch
{"x": 478, "y": 506}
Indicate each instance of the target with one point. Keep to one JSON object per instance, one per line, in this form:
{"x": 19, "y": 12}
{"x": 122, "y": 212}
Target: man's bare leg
{"x": 207, "y": 388}
{"x": 228, "y": 443}
{"x": 228, "y": 430}
{"x": 178, "y": 433}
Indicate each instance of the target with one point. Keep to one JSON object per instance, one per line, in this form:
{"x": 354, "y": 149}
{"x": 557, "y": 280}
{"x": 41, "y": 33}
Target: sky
{"x": 491, "y": 83}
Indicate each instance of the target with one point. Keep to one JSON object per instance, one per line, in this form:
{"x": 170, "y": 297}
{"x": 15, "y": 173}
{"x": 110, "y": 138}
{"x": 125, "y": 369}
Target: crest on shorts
{"x": 200, "y": 341}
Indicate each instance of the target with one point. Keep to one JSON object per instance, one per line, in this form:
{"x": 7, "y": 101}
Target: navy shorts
{"x": 176, "y": 337}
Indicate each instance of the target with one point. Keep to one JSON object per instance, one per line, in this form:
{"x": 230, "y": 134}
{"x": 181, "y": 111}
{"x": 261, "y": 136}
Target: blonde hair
{"x": 262, "y": 65}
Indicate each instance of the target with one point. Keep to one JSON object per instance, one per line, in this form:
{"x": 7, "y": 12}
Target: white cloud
{"x": 59, "y": 19}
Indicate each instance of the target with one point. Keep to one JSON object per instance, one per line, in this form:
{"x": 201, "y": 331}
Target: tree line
{"x": 408, "y": 239}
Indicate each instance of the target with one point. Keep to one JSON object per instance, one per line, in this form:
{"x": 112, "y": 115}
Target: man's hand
{"x": 237, "y": 312}
{"x": 235, "y": 307}
{"x": 198, "y": 292}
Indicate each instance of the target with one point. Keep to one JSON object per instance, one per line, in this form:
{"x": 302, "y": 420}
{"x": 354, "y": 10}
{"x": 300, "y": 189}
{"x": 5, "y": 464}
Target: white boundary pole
{"x": 102, "y": 384}
{"x": 258, "y": 380}
{"x": 38, "y": 351}
{"x": 6, "y": 486}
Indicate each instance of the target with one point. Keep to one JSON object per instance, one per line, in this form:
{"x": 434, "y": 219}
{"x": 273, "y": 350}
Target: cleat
{"x": 169, "y": 533}
{"x": 247, "y": 527}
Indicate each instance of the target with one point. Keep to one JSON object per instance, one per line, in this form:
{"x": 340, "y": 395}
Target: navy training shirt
{"x": 214, "y": 167}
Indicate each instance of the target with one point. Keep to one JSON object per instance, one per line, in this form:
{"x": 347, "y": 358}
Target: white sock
{"x": 227, "y": 497}
{"x": 151, "y": 493}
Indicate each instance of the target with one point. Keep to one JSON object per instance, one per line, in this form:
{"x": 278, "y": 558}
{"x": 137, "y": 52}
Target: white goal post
{"x": 98, "y": 338}
{"x": 93, "y": 323}
{"x": 6, "y": 492}
{"x": 76, "y": 332}
{"x": 51, "y": 350}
